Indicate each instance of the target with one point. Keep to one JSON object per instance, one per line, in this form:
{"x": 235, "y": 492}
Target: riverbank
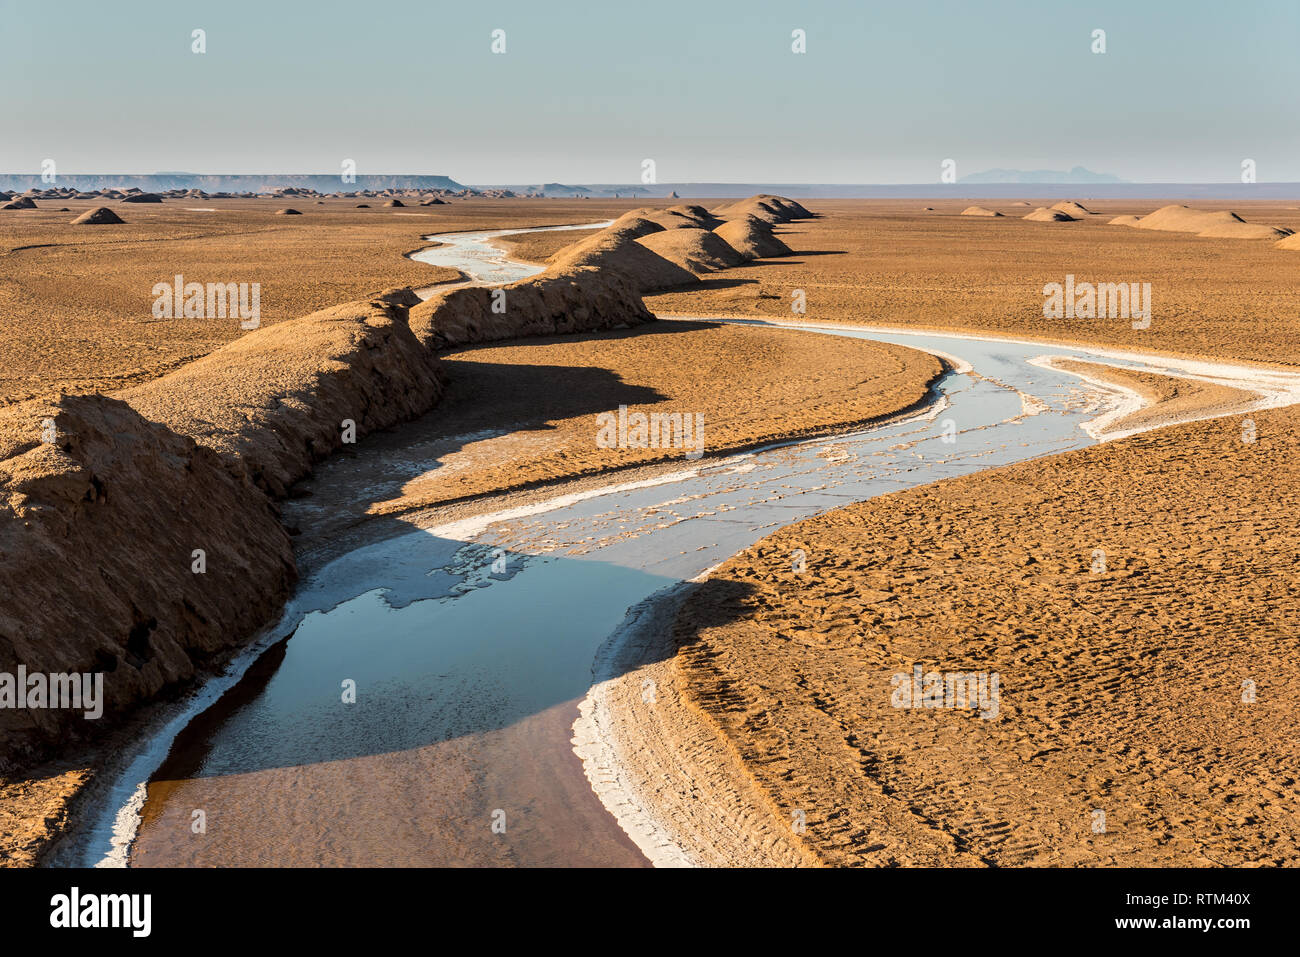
{"x": 276, "y": 401}
{"x": 1130, "y": 597}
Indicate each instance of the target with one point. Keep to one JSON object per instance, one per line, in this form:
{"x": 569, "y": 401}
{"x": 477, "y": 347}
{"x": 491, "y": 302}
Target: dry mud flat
{"x": 1135, "y": 600}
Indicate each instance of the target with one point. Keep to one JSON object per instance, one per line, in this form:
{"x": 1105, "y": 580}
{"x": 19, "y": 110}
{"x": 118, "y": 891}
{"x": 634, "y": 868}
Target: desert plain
{"x": 1122, "y": 689}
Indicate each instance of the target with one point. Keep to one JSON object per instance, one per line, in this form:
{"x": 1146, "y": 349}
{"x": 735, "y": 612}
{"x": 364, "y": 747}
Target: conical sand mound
{"x": 1210, "y": 224}
{"x": 696, "y": 213}
{"x": 1291, "y": 242}
{"x": 979, "y": 211}
{"x": 142, "y": 198}
{"x": 620, "y": 253}
{"x": 395, "y": 204}
{"x": 1072, "y": 209}
{"x": 287, "y": 211}
{"x": 634, "y": 226}
{"x": 788, "y": 206}
{"x": 757, "y": 209}
{"x": 1042, "y": 215}
{"x": 22, "y": 202}
{"x": 752, "y": 238}
{"x": 99, "y": 216}
{"x": 1125, "y": 221}
{"x": 698, "y": 250}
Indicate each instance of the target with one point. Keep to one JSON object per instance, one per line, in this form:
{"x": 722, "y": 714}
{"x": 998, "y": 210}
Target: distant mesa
{"x": 1076, "y": 175}
{"x": 135, "y": 196}
{"x": 99, "y": 216}
{"x": 1072, "y": 209}
{"x": 22, "y": 202}
{"x": 1044, "y": 215}
{"x": 1207, "y": 224}
{"x": 394, "y": 204}
{"x": 288, "y": 211}
{"x": 979, "y": 211}
{"x": 752, "y": 238}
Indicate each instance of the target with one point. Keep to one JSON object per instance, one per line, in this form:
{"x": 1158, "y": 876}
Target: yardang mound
{"x": 698, "y": 250}
{"x": 99, "y": 216}
{"x": 1208, "y": 224}
{"x": 979, "y": 211}
{"x": 752, "y": 238}
{"x": 1041, "y": 215}
{"x": 618, "y": 252}
{"x": 1072, "y": 209}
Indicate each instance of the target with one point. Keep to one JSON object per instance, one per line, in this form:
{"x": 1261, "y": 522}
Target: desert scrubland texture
{"x": 893, "y": 263}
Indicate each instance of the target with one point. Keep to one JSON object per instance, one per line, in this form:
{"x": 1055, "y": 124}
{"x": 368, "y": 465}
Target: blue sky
{"x": 710, "y": 90}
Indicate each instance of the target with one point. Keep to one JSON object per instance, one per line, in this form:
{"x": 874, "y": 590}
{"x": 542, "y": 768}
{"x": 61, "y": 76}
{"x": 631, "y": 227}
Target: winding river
{"x": 468, "y": 646}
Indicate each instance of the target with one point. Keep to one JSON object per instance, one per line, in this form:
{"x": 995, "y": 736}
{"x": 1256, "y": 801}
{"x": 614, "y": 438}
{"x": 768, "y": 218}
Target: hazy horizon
{"x": 1183, "y": 94}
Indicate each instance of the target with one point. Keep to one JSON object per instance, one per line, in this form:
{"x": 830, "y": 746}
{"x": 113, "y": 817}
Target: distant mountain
{"x": 1076, "y": 175}
{"x": 251, "y": 183}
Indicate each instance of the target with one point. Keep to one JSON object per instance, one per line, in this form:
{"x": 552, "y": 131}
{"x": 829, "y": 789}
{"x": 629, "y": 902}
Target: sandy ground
{"x": 78, "y": 299}
{"x": 1192, "y": 515}
{"x": 1122, "y": 691}
{"x": 891, "y": 263}
{"x": 1165, "y": 398}
{"x": 1122, "y": 682}
{"x": 539, "y": 247}
{"x": 752, "y": 387}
